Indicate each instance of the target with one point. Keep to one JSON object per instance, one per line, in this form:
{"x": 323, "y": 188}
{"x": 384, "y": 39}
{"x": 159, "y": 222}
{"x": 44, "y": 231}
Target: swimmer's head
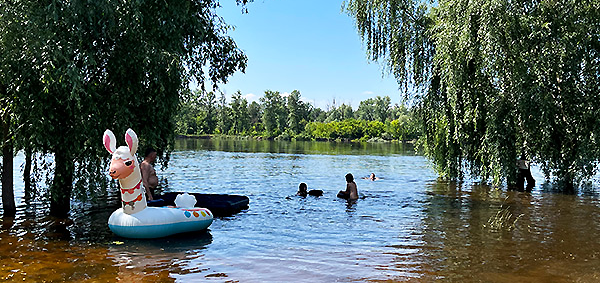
{"x": 302, "y": 187}
{"x": 349, "y": 178}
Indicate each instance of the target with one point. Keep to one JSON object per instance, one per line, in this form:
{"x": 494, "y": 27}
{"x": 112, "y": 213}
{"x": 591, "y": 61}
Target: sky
{"x": 310, "y": 46}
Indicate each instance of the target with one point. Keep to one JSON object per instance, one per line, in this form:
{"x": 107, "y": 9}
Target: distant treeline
{"x": 289, "y": 118}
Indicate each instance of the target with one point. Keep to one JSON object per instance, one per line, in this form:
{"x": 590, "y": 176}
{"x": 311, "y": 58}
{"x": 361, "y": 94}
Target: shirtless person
{"x": 149, "y": 177}
{"x": 351, "y": 192}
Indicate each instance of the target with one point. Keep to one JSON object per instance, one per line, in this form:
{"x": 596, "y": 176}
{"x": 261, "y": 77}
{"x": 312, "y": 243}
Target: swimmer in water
{"x": 302, "y": 191}
{"x": 371, "y": 177}
{"x": 351, "y": 192}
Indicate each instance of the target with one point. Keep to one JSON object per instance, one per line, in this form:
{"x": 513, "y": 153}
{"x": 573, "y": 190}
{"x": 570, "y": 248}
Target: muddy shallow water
{"x": 407, "y": 226}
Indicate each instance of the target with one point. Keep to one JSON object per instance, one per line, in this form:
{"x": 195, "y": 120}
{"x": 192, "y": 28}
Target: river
{"x": 407, "y": 227}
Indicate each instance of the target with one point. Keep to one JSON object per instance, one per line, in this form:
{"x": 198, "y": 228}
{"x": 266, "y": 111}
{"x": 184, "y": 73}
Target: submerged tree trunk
{"x": 62, "y": 185}
{"x": 27, "y": 175}
{"x": 8, "y": 195}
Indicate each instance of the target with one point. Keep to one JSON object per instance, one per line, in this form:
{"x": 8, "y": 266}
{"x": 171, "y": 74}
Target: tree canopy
{"x": 287, "y": 117}
{"x": 75, "y": 68}
{"x": 495, "y": 79}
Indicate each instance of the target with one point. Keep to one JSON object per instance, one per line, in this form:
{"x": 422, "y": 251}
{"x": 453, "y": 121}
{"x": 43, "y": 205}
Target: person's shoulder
{"x": 144, "y": 165}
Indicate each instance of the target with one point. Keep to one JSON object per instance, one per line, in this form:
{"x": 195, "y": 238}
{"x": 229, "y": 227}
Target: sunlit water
{"x": 406, "y": 227}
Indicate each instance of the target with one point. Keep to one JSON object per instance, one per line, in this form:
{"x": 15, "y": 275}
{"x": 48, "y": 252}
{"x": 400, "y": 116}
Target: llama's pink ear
{"x": 110, "y": 142}
{"x": 132, "y": 141}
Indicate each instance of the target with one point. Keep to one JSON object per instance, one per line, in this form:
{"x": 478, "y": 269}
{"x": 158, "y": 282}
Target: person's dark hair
{"x": 302, "y": 186}
{"x": 349, "y": 178}
{"x": 149, "y": 150}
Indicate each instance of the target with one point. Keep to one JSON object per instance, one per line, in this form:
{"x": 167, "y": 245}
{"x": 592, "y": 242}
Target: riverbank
{"x": 288, "y": 138}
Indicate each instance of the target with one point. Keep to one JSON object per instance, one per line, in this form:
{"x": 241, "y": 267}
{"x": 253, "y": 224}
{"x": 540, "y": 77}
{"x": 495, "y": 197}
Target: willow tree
{"x": 111, "y": 64}
{"x": 494, "y": 79}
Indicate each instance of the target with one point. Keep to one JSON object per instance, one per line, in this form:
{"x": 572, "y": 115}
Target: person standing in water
{"x": 524, "y": 173}
{"x": 351, "y": 192}
{"x": 149, "y": 177}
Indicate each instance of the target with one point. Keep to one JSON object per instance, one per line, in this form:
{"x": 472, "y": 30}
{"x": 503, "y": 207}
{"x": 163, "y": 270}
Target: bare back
{"x": 351, "y": 190}
{"x": 149, "y": 175}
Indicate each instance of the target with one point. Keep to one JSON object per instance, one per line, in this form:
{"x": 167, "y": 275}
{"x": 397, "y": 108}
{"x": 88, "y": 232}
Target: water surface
{"x": 407, "y": 227}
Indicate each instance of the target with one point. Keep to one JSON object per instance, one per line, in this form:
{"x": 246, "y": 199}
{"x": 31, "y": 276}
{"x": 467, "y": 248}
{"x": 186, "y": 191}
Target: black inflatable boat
{"x": 219, "y": 205}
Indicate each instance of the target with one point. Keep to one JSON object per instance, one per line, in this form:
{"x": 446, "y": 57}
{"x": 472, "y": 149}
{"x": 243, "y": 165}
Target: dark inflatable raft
{"x": 219, "y": 205}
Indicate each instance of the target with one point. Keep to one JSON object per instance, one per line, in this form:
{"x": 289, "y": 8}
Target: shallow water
{"x": 406, "y": 227}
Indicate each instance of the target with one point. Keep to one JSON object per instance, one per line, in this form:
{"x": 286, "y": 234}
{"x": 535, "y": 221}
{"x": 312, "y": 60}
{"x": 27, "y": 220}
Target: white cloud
{"x": 368, "y": 92}
{"x": 285, "y": 94}
{"x": 250, "y": 97}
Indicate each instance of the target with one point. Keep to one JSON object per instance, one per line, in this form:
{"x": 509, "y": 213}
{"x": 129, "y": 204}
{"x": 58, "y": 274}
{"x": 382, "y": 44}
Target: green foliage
{"x": 239, "y": 114}
{"x": 495, "y": 79}
{"x": 374, "y": 109}
{"x": 291, "y": 119}
{"x": 295, "y": 111}
{"x": 343, "y": 112}
{"x": 224, "y": 117}
{"x": 274, "y": 113}
{"x": 405, "y": 127}
{"x": 74, "y": 68}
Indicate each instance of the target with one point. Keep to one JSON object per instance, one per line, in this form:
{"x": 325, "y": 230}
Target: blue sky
{"x": 307, "y": 45}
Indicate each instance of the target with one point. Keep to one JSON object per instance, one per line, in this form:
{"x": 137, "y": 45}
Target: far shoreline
{"x": 261, "y": 138}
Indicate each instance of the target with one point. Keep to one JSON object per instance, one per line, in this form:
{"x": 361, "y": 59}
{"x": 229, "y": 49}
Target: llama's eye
{"x": 128, "y": 163}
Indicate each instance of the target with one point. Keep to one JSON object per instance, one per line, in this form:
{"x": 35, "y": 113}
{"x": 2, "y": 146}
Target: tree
{"x": 317, "y": 114}
{"x": 346, "y": 111}
{"x": 207, "y": 116}
{"x": 495, "y": 79}
{"x": 18, "y": 78}
{"x": 294, "y": 107}
{"x": 99, "y": 66}
{"x": 239, "y": 113}
{"x": 224, "y": 116}
{"x": 274, "y": 111}
{"x": 254, "y": 111}
{"x": 382, "y": 108}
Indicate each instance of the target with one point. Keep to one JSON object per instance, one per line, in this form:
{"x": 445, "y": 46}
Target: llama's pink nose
{"x": 112, "y": 173}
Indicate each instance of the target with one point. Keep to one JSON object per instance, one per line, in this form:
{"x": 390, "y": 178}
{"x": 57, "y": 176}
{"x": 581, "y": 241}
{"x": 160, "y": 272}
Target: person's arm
{"x": 348, "y": 189}
{"x": 148, "y": 194}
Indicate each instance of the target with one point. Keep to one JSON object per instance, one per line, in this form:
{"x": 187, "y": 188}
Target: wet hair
{"x": 302, "y": 186}
{"x": 349, "y": 178}
{"x": 149, "y": 151}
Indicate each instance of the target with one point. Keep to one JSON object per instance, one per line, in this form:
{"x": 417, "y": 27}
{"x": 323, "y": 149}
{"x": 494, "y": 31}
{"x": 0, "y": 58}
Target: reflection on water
{"x": 407, "y": 227}
{"x": 295, "y": 147}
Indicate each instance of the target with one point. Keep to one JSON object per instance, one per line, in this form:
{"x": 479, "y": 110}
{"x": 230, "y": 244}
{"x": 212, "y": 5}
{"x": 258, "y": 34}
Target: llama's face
{"x": 123, "y": 161}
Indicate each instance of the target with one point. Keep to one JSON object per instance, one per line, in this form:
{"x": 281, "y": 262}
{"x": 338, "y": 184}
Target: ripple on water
{"x": 406, "y": 227}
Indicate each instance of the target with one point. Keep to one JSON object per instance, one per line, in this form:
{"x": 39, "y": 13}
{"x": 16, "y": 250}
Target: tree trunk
{"x": 27, "y": 175}
{"x": 62, "y": 185}
{"x": 8, "y": 195}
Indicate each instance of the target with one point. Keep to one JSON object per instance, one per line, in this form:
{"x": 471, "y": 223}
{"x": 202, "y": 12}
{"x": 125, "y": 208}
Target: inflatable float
{"x": 218, "y": 204}
{"x": 134, "y": 219}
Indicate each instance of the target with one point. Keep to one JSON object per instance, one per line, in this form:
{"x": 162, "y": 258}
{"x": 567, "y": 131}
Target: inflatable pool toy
{"x": 134, "y": 219}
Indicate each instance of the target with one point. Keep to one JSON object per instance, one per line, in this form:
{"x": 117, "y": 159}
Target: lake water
{"x": 407, "y": 227}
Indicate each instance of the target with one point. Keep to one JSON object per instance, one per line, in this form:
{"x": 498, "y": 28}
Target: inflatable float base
{"x": 158, "y": 222}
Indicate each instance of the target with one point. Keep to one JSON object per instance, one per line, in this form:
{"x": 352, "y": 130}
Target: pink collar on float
{"x": 131, "y": 191}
